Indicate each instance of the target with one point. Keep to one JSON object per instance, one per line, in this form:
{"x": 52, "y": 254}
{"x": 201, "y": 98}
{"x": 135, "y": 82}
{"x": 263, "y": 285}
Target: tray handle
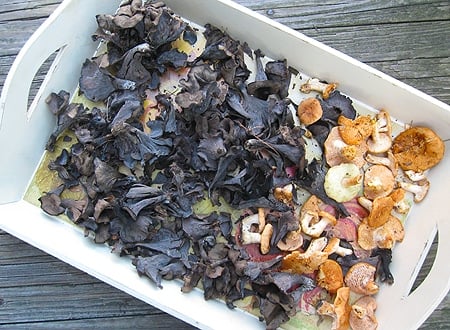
{"x": 61, "y": 31}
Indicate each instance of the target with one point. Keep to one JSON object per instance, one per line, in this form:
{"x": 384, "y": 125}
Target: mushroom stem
{"x": 313, "y": 224}
{"x": 314, "y": 84}
{"x": 266, "y": 235}
{"x": 419, "y": 190}
{"x": 351, "y": 181}
{"x": 247, "y": 235}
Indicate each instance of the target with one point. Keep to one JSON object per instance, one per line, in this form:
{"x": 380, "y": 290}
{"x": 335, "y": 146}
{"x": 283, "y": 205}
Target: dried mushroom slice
{"x": 418, "y": 149}
{"x": 355, "y": 131}
{"x": 330, "y": 276}
{"x": 362, "y": 315}
{"x": 339, "y": 310}
{"x": 338, "y": 152}
{"x": 309, "y": 111}
{"x": 360, "y": 278}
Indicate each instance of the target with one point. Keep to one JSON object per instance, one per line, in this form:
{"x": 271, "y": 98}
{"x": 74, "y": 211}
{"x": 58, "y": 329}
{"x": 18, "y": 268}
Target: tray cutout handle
{"x": 22, "y": 128}
{"x": 45, "y": 70}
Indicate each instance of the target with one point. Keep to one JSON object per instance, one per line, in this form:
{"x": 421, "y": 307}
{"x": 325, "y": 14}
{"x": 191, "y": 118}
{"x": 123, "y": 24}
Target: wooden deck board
{"x": 407, "y": 40}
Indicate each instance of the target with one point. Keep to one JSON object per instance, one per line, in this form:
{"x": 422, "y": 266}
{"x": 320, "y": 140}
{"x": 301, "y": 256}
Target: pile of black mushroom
{"x": 218, "y": 137}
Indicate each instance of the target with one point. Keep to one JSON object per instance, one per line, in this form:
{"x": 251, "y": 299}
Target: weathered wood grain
{"x": 408, "y": 40}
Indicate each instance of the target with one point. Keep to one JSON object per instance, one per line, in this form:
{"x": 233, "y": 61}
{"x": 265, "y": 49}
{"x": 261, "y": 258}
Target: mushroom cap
{"x": 283, "y": 194}
{"x": 418, "y": 149}
{"x": 381, "y": 210}
{"x": 357, "y": 130}
{"x": 330, "y": 276}
{"x": 360, "y": 278}
{"x": 365, "y": 236}
{"x": 379, "y": 181}
{"x": 292, "y": 241}
{"x": 383, "y": 237}
{"x": 389, "y": 161}
{"x": 342, "y": 308}
{"x": 380, "y": 144}
{"x": 362, "y": 314}
{"x": 303, "y": 263}
{"x": 309, "y": 111}
{"x": 343, "y": 182}
{"x": 338, "y": 152}
{"x": 307, "y": 262}
{"x": 392, "y": 231}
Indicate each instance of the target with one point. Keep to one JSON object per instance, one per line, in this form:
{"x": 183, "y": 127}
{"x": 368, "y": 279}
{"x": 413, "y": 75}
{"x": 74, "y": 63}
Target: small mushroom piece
{"x": 313, "y": 224}
{"x": 381, "y": 140}
{"x": 400, "y": 204}
{"x": 284, "y": 194}
{"x": 339, "y": 310}
{"x": 343, "y": 182}
{"x": 379, "y": 181}
{"x": 314, "y": 84}
{"x": 418, "y": 149}
{"x": 309, "y": 111}
{"x": 261, "y": 219}
{"x": 362, "y": 314}
{"x": 330, "y": 276}
{"x": 365, "y": 236}
{"x": 338, "y": 152}
{"x": 266, "y": 235}
{"x": 383, "y": 237}
{"x": 365, "y": 202}
{"x": 360, "y": 278}
{"x": 355, "y": 131}
{"x": 392, "y": 231}
{"x": 308, "y": 261}
{"x": 248, "y": 235}
{"x": 419, "y": 190}
{"x": 415, "y": 176}
{"x": 381, "y": 210}
{"x": 292, "y": 241}
{"x": 388, "y": 161}
{"x": 334, "y": 247}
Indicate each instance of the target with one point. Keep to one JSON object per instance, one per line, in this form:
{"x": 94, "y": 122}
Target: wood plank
{"x": 153, "y": 321}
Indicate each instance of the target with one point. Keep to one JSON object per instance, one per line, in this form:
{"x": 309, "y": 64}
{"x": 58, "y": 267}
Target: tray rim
{"x": 408, "y": 89}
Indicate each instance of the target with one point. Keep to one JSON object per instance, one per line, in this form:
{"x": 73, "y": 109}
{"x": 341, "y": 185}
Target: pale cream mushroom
{"x": 419, "y": 190}
{"x": 249, "y": 234}
{"x": 334, "y": 247}
{"x": 381, "y": 139}
{"x": 415, "y": 176}
{"x": 314, "y": 84}
{"x": 387, "y": 160}
{"x": 360, "y": 278}
{"x": 314, "y": 223}
{"x": 343, "y": 182}
{"x": 362, "y": 314}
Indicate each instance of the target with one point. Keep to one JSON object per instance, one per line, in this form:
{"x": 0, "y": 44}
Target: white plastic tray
{"x": 30, "y": 129}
